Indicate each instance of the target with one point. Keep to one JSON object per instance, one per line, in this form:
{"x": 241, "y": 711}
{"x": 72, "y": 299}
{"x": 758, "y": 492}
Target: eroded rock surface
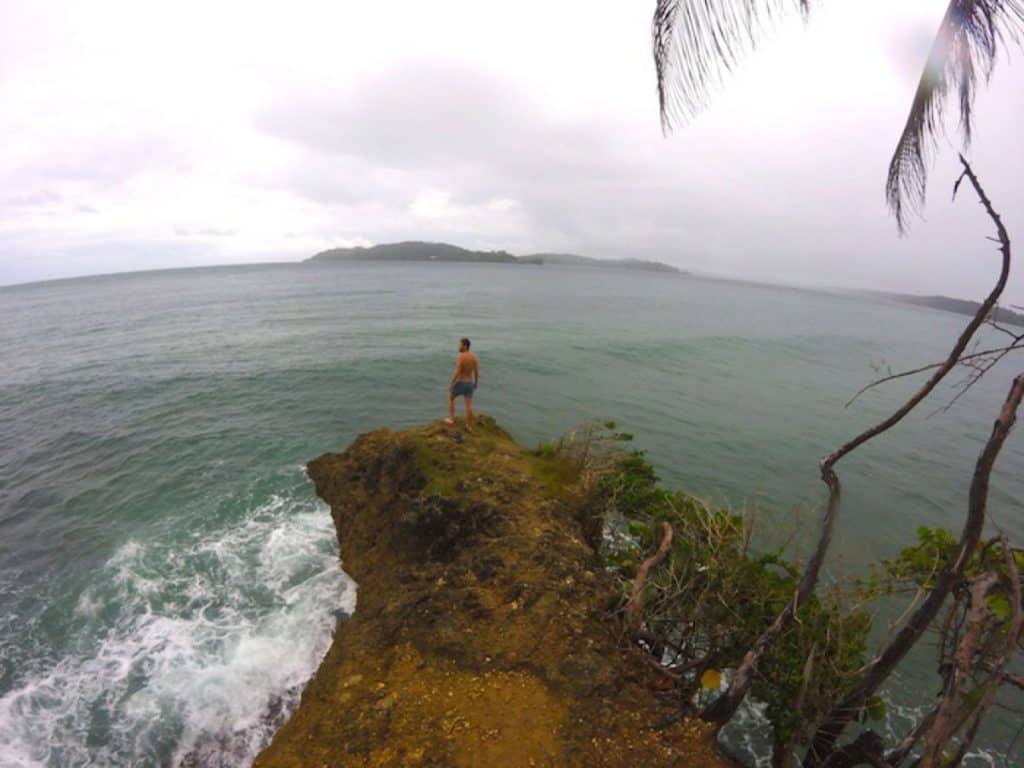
{"x": 481, "y": 635}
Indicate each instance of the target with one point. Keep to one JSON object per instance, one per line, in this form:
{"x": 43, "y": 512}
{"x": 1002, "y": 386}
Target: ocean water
{"x": 168, "y": 579}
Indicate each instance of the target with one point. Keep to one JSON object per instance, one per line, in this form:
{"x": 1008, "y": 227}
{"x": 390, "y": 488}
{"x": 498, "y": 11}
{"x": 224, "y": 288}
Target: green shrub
{"x": 711, "y": 598}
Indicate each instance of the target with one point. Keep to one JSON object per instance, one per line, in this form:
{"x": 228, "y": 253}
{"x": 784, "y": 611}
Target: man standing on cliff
{"x": 465, "y": 379}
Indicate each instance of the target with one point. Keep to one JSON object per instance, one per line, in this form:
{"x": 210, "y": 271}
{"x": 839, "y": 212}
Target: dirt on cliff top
{"x": 481, "y": 635}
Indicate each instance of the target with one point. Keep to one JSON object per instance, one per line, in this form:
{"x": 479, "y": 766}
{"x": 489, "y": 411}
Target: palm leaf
{"x": 697, "y": 42}
{"x": 966, "y": 46}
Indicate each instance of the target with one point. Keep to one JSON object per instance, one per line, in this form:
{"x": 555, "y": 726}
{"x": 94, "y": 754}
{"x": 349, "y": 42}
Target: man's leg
{"x": 469, "y": 413}
{"x": 451, "y": 409}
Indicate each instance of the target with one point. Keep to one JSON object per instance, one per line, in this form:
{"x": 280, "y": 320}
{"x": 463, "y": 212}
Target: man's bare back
{"x": 466, "y": 367}
{"x": 465, "y": 379}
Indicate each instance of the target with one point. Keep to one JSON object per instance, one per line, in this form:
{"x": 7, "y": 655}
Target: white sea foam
{"x": 748, "y": 734}
{"x": 210, "y": 644}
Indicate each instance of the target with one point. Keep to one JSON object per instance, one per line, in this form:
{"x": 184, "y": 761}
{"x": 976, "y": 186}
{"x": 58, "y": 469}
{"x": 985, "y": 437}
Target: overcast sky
{"x": 140, "y": 135}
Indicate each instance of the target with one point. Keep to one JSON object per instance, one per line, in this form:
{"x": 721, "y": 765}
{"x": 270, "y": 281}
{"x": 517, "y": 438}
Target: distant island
{"x": 573, "y": 260}
{"x": 949, "y": 304}
{"x": 420, "y": 251}
{"x": 423, "y": 251}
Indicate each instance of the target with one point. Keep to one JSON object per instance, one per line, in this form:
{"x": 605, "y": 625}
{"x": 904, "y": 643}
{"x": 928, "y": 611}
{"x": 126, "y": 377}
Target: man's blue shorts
{"x": 464, "y": 388}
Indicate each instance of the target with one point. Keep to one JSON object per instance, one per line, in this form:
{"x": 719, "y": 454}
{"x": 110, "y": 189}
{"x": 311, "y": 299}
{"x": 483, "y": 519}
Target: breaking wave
{"x": 192, "y": 650}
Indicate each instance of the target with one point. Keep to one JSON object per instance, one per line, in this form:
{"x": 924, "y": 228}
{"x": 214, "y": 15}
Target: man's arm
{"x": 476, "y": 372}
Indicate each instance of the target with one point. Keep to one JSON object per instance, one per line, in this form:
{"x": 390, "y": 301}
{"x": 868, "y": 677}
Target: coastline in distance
{"x": 424, "y": 251}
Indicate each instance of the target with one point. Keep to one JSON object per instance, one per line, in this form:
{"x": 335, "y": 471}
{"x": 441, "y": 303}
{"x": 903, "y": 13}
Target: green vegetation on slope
{"x": 702, "y": 608}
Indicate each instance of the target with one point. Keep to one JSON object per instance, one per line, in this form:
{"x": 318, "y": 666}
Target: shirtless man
{"x": 465, "y": 379}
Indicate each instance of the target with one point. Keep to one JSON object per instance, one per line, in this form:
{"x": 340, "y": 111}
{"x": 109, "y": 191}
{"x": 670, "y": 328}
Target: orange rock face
{"x": 481, "y": 635}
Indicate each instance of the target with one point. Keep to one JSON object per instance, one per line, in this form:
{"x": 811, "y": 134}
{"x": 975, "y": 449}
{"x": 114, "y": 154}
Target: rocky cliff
{"x": 481, "y": 635}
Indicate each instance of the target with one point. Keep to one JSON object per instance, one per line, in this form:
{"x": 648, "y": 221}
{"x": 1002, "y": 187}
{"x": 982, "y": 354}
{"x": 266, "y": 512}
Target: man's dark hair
{"x": 465, "y": 341}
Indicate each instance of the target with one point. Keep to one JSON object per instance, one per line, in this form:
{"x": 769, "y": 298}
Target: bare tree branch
{"x": 1019, "y": 344}
{"x": 724, "y": 707}
{"x": 1002, "y": 329}
{"x": 1015, "y": 680}
{"x": 636, "y": 599}
{"x": 961, "y": 344}
{"x": 878, "y": 671}
{"x": 904, "y": 748}
{"x": 979, "y": 369}
{"x": 992, "y": 684}
{"x": 945, "y": 718}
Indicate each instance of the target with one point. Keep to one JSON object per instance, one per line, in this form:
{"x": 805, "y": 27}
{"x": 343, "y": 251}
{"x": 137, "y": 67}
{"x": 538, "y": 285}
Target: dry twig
{"x": 636, "y": 599}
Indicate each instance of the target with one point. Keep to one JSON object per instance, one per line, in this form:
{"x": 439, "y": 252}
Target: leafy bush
{"x": 711, "y": 598}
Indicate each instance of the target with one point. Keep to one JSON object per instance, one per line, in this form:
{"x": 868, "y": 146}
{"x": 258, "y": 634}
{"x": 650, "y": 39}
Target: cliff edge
{"x": 481, "y": 636}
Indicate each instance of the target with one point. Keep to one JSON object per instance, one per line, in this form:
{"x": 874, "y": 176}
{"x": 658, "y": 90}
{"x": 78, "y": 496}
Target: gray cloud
{"x": 110, "y": 159}
{"x": 479, "y": 139}
{"x": 38, "y": 199}
{"x": 807, "y": 209}
{"x": 420, "y": 115}
{"x": 53, "y": 260}
{"x": 440, "y": 125}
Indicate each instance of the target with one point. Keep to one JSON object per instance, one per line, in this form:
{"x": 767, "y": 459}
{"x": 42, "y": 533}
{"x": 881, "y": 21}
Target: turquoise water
{"x": 168, "y": 580}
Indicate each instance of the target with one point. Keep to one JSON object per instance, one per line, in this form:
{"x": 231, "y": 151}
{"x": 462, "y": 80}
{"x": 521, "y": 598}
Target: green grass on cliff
{"x": 556, "y": 474}
{"x": 445, "y": 470}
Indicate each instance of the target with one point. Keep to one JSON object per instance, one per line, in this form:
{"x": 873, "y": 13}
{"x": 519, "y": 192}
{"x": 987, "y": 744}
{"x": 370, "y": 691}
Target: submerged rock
{"x": 481, "y": 636}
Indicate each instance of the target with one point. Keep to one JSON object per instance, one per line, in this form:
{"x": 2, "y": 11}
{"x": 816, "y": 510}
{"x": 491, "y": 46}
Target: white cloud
{"x": 433, "y": 204}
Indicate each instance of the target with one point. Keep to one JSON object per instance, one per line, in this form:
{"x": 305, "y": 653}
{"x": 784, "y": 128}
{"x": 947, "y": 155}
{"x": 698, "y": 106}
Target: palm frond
{"x": 966, "y": 46}
{"x": 697, "y": 42}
